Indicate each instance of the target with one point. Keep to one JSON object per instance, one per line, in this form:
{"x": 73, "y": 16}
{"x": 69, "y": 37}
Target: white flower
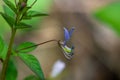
{"x": 58, "y": 67}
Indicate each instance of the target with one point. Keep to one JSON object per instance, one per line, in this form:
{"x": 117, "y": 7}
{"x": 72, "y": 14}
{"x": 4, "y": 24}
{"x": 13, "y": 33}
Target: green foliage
{"x": 4, "y": 52}
{"x": 11, "y": 70}
{"x": 4, "y": 26}
{"x": 35, "y": 14}
{"x": 8, "y": 11}
{"x": 110, "y": 15}
{"x": 14, "y": 14}
{"x": 32, "y": 63}
{"x": 26, "y": 47}
{"x": 40, "y": 6}
{"x": 22, "y": 26}
{"x": 8, "y": 19}
{"x": 24, "y": 11}
{"x": 10, "y": 5}
{"x": 32, "y": 14}
{"x": 31, "y": 77}
{"x": 1, "y": 44}
{"x": 3, "y": 49}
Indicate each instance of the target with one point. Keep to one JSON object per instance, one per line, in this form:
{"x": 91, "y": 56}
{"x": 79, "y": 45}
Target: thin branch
{"x": 33, "y": 3}
{"x": 16, "y": 3}
{"x": 39, "y": 44}
{"x": 5, "y": 63}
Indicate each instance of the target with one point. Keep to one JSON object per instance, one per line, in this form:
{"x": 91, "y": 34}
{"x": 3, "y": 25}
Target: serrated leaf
{"x": 26, "y": 47}
{"x": 11, "y": 71}
{"x": 33, "y": 64}
{"x": 10, "y": 5}
{"x": 23, "y": 25}
{"x": 3, "y": 49}
{"x": 35, "y": 14}
{"x": 31, "y": 77}
{"x": 8, "y": 19}
{"x": 110, "y": 15}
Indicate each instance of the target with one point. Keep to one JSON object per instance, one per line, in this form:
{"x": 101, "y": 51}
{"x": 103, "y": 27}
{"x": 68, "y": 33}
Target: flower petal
{"x": 67, "y": 51}
{"x": 66, "y": 34}
{"x": 71, "y": 31}
{"x": 57, "y": 68}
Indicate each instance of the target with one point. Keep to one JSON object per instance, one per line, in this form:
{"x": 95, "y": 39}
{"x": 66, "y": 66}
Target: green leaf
{"x": 110, "y": 15}
{"x": 33, "y": 64}
{"x": 26, "y": 47}
{"x": 23, "y": 25}
{"x": 8, "y": 11}
{"x": 4, "y": 52}
{"x": 1, "y": 44}
{"x": 10, "y": 5}
{"x": 26, "y": 18}
{"x": 35, "y": 14}
{"x": 11, "y": 71}
{"x": 24, "y": 11}
{"x": 3, "y": 49}
{"x": 31, "y": 77}
{"x": 32, "y": 14}
{"x": 8, "y": 19}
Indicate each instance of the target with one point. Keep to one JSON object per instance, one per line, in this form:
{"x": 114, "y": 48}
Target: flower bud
{"x": 23, "y": 5}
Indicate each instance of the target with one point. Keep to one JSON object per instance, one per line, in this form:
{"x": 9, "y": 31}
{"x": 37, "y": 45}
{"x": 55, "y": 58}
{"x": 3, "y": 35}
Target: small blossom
{"x": 67, "y": 34}
{"x": 68, "y": 51}
{"x": 23, "y": 5}
{"x": 58, "y": 67}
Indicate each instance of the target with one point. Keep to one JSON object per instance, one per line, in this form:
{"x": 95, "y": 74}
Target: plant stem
{"x": 39, "y": 44}
{"x": 33, "y": 3}
{"x": 5, "y": 63}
